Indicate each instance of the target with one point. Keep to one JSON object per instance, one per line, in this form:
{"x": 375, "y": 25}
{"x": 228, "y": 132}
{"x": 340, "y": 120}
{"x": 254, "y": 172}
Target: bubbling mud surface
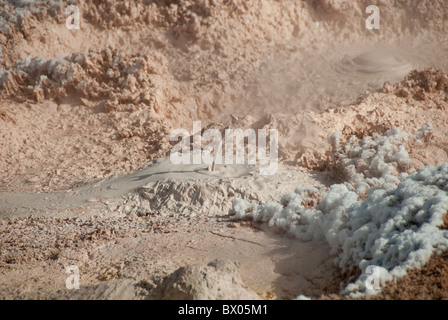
{"x": 374, "y": 62}
{"x": 333, "y": 76}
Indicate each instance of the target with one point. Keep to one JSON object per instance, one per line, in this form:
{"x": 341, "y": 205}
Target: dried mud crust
{"x": 106, "y": 75}
{"x": 71, "y": 118}
{"x": 33, "y": 239}
{"x": 89, "y": 106}
{"x": 18, "y": 23}
{"x": 420, "y": 84}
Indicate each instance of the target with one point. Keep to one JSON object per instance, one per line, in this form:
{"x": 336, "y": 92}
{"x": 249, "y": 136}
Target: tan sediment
{"x": 103, "y": 99}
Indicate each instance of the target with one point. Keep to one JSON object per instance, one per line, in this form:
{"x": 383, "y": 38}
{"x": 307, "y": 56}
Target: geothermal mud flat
{"x": 87, "y": 182}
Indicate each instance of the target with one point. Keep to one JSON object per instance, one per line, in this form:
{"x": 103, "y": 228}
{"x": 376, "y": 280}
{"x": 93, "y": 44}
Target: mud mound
{"x": 420, "y": 85}
{"x": 219, "y": 280}
{"x": 210, "y": 196}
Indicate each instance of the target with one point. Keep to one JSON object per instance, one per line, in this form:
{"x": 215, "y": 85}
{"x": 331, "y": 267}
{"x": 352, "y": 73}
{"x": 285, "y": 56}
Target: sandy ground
{"x": 83, "y": 175}
{"x": 271, "y": 265}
